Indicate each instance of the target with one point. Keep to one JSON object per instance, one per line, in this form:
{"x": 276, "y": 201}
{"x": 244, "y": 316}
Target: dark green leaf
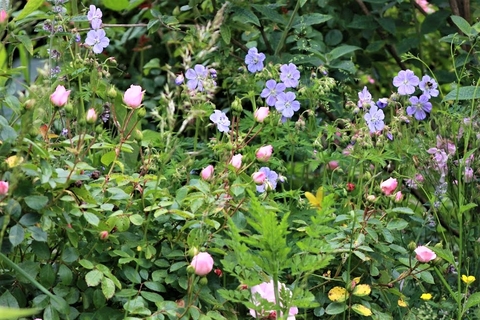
{"x": 16, "y": 235}
{"x": 36, "y": 202}
{"x": 463, "y": 93}
{"x": 245, "y": 16}
{"x": 463, "y": 25}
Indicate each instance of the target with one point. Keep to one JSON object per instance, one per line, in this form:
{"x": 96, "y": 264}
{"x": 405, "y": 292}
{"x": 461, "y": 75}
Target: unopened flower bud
{"x": 141, "y": 112}
{"x": 371, "y": 198}
{"x": 237, "y": 107}
{"x": 104, "y": 235}
{"x": 412, "y": 246}
{"x": 203, "y": 281}
{"x": 91, "y": 116}
{"x": 112, "y": 92}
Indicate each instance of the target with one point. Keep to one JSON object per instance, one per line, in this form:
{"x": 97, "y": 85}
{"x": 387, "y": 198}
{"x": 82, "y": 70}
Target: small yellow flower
{"x": 468, "y": 279}
{"x": 426, "y": 296}
{"x": 402, "y": 303}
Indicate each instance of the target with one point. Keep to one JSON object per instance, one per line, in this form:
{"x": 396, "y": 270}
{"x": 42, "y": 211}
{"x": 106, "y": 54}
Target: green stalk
{"x": 61, "y": 302}
{"x": 285, "y": 32}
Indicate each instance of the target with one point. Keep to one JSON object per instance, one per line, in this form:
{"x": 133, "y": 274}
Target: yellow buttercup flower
{"x": 468, "y": 279}
{"x": 402, "y": 303}
{"x": 315, "y": 200}
{"x": 426, "y": 296}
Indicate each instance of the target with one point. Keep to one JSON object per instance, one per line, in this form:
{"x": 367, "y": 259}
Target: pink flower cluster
{"x": 266, "y": 291}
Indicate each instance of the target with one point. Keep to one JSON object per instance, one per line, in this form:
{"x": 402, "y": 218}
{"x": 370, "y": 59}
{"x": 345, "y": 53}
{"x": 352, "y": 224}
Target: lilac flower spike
{"x": 220, "y": 119}
{"x": 196, "y": 77}
{"x": 271, "y": 91}
{"x": 97, "y": 39}
{"x": 428, "y": 87}
{"x": 364, "y": 98}
{"x": 406, "y": 81}
{"x": 286, "y": 104}
{"x": 254, "y": 60}
{"x": 420, "y": 107}
{"x": 270, "y": 182}
{"x": 374, "y": 118}
{"x": 289, "y": 75}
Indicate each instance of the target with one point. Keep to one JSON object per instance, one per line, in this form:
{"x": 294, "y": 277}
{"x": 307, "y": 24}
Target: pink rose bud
{"x": 261, "y": 113}
{"x": 332, "y": 165}
{"x": 264, "y": 153}
{"x": 236, "y": 161}
{"x": 91, "y": 116}
{"x": 398, "y": 196}
{"x": 259, "y": 177}
{"x": 133, "y": 96}
{"x": 424, "y": 254}
{"x": 103, "y": 235}
{"x": 207, "y": 173}
{"x": 3, "y": 188}
{"x": 202, "y": 263}
{"x": 60, "y": 96}
{"x": 388, "y": 186}
{"x": 3, "y": 16}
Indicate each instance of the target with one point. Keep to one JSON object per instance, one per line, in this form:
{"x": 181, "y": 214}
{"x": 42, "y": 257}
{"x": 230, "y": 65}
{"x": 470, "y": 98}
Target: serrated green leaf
{"x": 93, "y": 278}
{"x": 341, "y": 51}
{"x": 16, "y": 235}
{"x": 245, "y": 16}
{"x": 27, "y": 43}
{"x": 397, "y": 224}
{"x": 30, "y": 7}
{"x": 108, "y": 158}
{"x": 463, "y": 25}
{"x": 108, "y": 288}
{"x": 91, "y": 218}
{"x": 136, "y": 219}
{"x": 473, "y": 300}
{"x": 225, "y": 33}
{"x": 310, "y": 19}
{"x": 36, "y": 202}
{"x": 463, "y": 93}
{"x": 86, "y": 264}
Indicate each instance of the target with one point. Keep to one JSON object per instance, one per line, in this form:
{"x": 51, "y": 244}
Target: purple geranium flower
{"x": 196, "y": 77}
{"x": 374, "y": 118}
{"x": 254, "y": 60}
{"x": 220, "y": 119}
{"x": 428, "y": 87}
{"x": 382, "y": 103}
{"x": 97, "y": 39}
{"x": 420, "y": 107}
{"x": 286, "y": 104}
{"x": 96, "y": 24}
{"x": 289, "y": 75}
{"x": 271, "y": 91}
{"x": 406, "y": 81}
{"x": 364, "y": 98}
{"x": 94, "y": 13}
{"x": 270, "y": 182}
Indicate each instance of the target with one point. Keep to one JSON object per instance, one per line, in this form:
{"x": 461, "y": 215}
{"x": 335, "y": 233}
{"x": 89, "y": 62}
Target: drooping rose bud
{"x": 261, "y": 113}
{"x": 3, "y": 16}
{"x": 202, "y": 263}
{"x": 259, "y": 177}
{"x": 60, "y": 96}
{"x": 398, "y": 196}
{"x": 91, "y": 116}
{"x": 424, "y": 254}
{"x": 264, "y": 153}
{"x": 3, "y": 188}
{"x": 207, "y": 173}
{"x": 388, "y": 186}
{"x": 236, "y": 161}
{"x": 133, "y": 96}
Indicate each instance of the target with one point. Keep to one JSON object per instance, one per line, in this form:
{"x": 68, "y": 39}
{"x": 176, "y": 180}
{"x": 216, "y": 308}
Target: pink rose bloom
{"x": 264, "y": 153}
{"x": 207, "y": 173}
{"x": 424, "y": 254}
{"x": 266, "y": 291}
{"x": 202, "y": 263}
{"x": 388, "y": 186}
{"x": 332, "y": 165}
{"x": 91, "y": 116}
{"x": 60, "y": 96}
{"x": 236, "y": 161}
{"x": 425, "y": 6}
{"x": 259, "y": 177}
{"x": 398, "y": 196}
{"x": 133, "y": 96}
{"x": 3, "y": 16}
{"x": 3, "y": 188}
{"x": 261, "y": 113}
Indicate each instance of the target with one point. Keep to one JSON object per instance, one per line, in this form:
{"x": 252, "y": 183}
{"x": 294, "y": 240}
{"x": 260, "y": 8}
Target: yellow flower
{"x": 426, "y": 296}
{"x": 402, "y": 303}
{"x": 315, "y": 200}
{"x": 468, "y": 279}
